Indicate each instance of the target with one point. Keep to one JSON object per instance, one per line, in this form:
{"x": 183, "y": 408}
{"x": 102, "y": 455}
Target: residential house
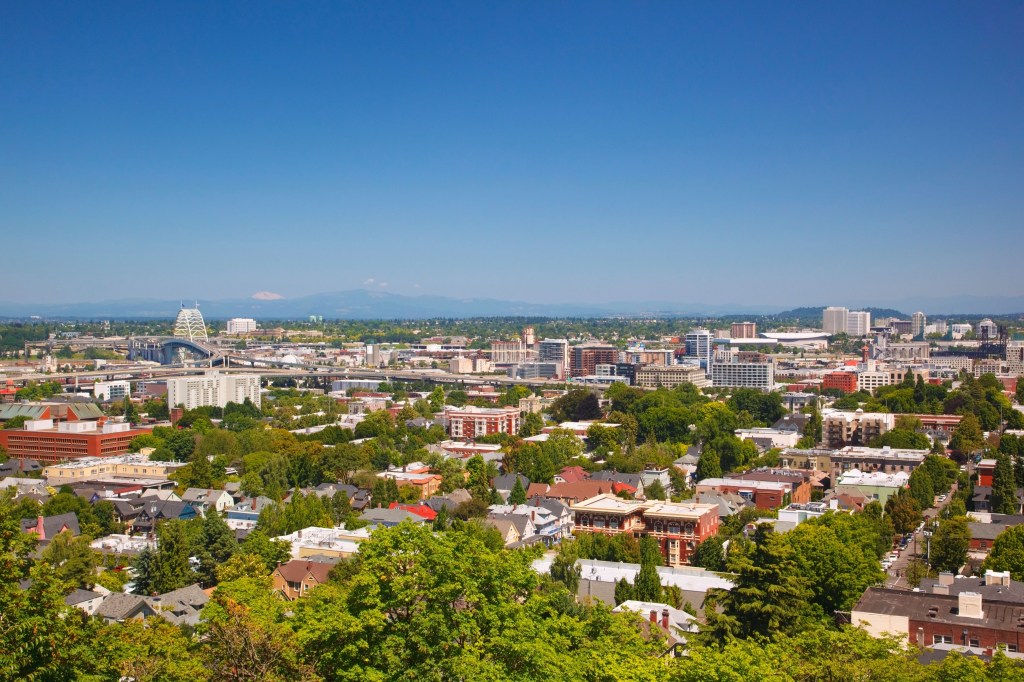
{"x": 49, "y": 527}
{"x": 118, "y": 607}
{"x": 181, "y": 606}
{"x": 245, "y": 514}
{"x": 571, "y": 493}
{"x": 571, "y": 475}
{"x": 416, "y": 475}
{"x": 154, "y": 511}
{"x": 204, "y": 499}
{"x": 87, "y": 600}
{"x": 634, "y": 481}
{"x": 515, "y": 529}
{"x": 389, "y": 518}
{"x": 297, "y": 577}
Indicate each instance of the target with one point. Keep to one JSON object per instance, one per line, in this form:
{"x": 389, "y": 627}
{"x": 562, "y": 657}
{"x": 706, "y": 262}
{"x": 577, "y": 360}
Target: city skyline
{"x": 768, "y": 157}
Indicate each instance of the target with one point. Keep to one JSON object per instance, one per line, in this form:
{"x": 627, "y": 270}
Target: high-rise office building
{"x": 698, "y": 344}
{"x": 833, "y": 320}
{"x": 554, "y": 350}
{"x": 858, "y": 323}
{"x": 917, "y": 323}
{"x": 744, "y": 330}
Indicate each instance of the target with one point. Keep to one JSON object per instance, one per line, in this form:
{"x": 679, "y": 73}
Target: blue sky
{"x": 760, "y": 153}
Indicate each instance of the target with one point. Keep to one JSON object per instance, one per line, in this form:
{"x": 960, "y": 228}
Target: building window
{"x": 974, "y": 643}
{"x": 942, "y": 639}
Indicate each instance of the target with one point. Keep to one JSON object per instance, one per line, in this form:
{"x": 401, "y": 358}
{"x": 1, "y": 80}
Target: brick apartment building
{"x": 981, "y": 613}
{"x": 678, "y": 527}
{"x": 585, "y": 359}
{"x": 466, "y": 423}
{"x": 844, "y": 381}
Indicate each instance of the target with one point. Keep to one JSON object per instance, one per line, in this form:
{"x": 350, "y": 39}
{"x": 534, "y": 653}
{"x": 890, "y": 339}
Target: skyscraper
{"x": 834, "y": 320}
{"x": 917, "y": 323}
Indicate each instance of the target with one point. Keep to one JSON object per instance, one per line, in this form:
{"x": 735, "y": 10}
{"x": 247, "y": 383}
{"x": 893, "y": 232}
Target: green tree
{"x": 709, "y": 465}
{"x": 903, "y": 511}
{"x": 922, "y": 489}
{"x": 171, "y": 568}
{"x": 531, "y": 424}
{"x": 655, "y": 491}
{"x": 73, "y": 560}
{"x": 1004, "y": 487}
{"x": 624, "y": 591}
{"x": 967, "y": 436}
{"x": 1007, "y": 553}
{"x": 769, "y": 598}
{"x": 518, "y": 493}
{"x": 647, "y": 584}
{"x": 710, "y": 554}
{"x": 217, "y": 544}
{"x": 949, "y": 545}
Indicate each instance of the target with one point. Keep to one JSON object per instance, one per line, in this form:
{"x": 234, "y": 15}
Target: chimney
{"x": 997, "y": 578}
{"x": 254, "y": 503}
{"x": 970, "y": 605}
{"x": 920, "y": 638}
{"x": 40, "y": 529}
{"x": 654, "y": 617}
{"x": 533, "y": 515}
{"x": 664, "y": 618}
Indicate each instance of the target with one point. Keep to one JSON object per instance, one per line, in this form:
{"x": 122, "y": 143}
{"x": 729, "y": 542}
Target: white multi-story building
{"x": 858, "y": 323}
{"x": 241, "y": 325}
{"x": 833, "y": 320}
{"x": 214, "y": 389}
{"x": 743, "y": 370}
{"x": 987, "y": 329}
{"x": 698, "y": 344}
{"x": 917, "y": 324}
{"x": 653, "y": 376}
{"x": 960, "y": 330}
{"x": 112, "y": 390}
{"x": 508, "y": 352}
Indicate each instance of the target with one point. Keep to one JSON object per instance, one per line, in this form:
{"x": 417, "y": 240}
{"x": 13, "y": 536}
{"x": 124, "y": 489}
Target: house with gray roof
{"x": 389, "y": 518}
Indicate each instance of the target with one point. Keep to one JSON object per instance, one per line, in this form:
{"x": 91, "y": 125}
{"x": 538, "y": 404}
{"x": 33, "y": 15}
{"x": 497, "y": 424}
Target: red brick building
{"x": 585, "y": 359}
{"x": 983, "y": 614}
{"x": 678, "y": 527}
{"x": 472, "y": 422}
{"x": 844, "y": 381}
{"x": 53, "y": 445}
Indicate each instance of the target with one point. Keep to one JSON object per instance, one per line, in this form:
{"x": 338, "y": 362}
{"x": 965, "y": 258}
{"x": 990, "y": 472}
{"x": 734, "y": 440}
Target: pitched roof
{"x": 508, "y": 481}
{"x": 51, "y": 525}
{"x": 119, "y": 605}
{"x": 78, "y": 596}
{"x": 297, "y": 570}
{"x": 390, "y": 516}
{"x": 573, "y": 474}
{"x": 580, "y": 490}
{"x": 417, "y": 509}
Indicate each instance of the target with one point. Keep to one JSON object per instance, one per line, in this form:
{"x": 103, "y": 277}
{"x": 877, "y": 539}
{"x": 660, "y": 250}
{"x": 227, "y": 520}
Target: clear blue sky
{"x": 762, "y": 153}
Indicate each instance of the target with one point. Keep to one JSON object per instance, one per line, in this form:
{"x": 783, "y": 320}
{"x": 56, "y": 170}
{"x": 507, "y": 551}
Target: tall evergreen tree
{"x": 1004, "y": 487}
{"x": 769, "y": 599}
{"x": 647, "y": 584}
{"x": 171, "y": 566}
{"x": 518, "y": 494}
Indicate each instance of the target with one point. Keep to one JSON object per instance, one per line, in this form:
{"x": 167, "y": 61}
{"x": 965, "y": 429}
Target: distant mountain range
{"x": 362, "y": 304}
